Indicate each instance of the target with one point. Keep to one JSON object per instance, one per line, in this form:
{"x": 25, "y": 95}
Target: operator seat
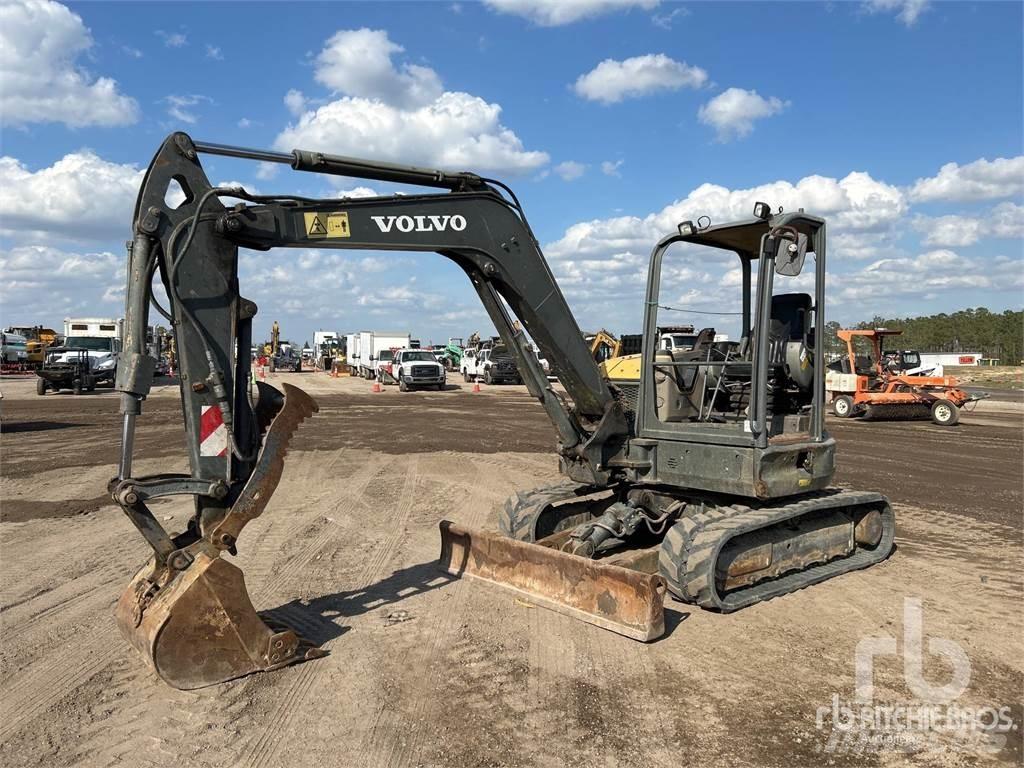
{"x": 680, "y": 390}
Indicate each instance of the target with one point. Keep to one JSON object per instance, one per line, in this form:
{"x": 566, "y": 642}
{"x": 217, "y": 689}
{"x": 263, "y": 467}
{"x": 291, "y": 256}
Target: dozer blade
{"x": 197, "y": 626}
{"x": 202, "y": 628}
{"x": 628, "y": 602}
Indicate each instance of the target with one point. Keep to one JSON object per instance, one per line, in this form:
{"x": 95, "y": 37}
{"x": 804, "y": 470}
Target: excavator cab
{"x": 751, "y": 404}
{"x": 708, "y": 479}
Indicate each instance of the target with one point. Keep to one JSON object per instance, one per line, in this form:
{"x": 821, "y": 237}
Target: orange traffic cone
{"x": 376, "y": 387}
{"x": 476, "y": 387}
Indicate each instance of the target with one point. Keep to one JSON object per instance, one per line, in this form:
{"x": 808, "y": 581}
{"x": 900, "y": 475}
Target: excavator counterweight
{"x": 707, "y": 476}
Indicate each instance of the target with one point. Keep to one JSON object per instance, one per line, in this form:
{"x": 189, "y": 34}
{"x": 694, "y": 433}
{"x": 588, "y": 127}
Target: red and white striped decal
{"x": 213, "y": 435}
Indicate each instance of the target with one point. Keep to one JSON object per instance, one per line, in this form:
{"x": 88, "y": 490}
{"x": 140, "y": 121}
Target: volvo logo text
{"x": 386, "y": 224}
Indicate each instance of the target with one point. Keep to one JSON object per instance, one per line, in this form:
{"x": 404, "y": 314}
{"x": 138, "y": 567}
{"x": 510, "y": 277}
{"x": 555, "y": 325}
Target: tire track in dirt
{"x": 291, "y": 703}
{"x": 384, "y": 742}
{"x": 120, "y": 728}
{"x": 29, "y": 695}
{"x": 73, "y": 602}
{"x": 67, "y": 671}
{"x": 447, "y": 650}
{"x": 24, "y": 558}
{"x": 286, "y": 524}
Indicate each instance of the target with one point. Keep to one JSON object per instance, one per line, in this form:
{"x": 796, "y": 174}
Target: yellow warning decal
{"x": 327, "y": 224}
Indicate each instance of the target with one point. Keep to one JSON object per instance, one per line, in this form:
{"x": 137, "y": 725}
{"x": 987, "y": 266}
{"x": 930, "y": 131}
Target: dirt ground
{"x": 425, "y": 670}
{"x": 995, "y": 377}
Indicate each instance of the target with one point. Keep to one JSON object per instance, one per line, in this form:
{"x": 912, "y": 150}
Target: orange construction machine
{"x": 874, "y": 386}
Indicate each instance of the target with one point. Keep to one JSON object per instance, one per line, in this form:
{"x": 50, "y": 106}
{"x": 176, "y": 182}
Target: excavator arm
{"x": 236, "y": 444}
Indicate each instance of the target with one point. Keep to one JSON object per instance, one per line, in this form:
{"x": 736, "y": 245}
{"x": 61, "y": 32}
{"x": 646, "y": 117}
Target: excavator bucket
{"x": 203, "y": 629}
{"x": 619, "y": 599}
{"x": 197, "y": 626}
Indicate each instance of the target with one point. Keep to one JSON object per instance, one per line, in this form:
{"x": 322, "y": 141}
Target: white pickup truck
{"x": 413, "y": 368}
{"x": 493, "y": 365}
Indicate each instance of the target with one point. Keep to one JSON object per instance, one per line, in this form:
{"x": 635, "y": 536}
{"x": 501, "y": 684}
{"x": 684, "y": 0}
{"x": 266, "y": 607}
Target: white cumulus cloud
{"x": 1005, "y": 221}
{"x": 907, "y": 11}
{"x": 400, "y": 113}
{"x": 556, "y": 13}
{"x": 295, "y": 101}
{"x": 612, "y": 81}
{"x": 79, "y": 197}
{"x": 611, "y": 168}
{"x": 855, "y": 203}
{"x": 732, "y": 113}
{"x": 183, "y": 107}
{"x": 73, "y": 283}
{"x": 41, "y": 80}
{"x": 172, "y": 39}
{"x": 981, "y": 180}
{"x": 927, "y": 274}
{"x": 358, "y": 63}
{"x": 570, "y": 170}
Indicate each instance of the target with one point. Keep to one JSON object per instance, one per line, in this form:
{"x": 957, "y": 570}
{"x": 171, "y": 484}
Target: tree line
{"x": 993, "y": 334}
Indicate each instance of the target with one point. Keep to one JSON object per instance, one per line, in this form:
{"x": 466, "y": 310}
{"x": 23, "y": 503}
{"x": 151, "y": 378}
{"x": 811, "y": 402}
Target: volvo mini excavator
{"x": 709, "y": 477}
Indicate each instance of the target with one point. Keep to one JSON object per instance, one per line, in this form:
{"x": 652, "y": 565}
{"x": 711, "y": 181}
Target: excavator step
{"x": 625, "y": 601}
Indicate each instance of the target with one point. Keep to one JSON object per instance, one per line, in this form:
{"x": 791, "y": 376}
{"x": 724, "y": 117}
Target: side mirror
{"x": 789, "y": 258}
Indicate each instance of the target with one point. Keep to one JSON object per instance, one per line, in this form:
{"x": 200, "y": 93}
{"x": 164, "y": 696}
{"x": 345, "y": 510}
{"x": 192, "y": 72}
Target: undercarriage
{"x": 716, "y": 552}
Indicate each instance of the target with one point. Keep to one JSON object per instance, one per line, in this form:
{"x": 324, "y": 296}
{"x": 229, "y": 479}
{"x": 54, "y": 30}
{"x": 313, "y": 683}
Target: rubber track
{"x": 691, "y": 547}
{"x": 521, "y": 510}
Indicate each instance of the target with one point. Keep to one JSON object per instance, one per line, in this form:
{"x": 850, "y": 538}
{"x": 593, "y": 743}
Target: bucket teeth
{"x": 298, "y": 406}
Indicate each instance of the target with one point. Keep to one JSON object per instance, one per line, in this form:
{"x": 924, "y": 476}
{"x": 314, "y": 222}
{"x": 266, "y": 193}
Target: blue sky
{"x": 898, "y": 120}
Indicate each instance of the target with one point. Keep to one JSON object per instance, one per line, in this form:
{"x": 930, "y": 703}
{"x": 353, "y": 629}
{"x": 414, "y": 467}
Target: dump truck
{"x": 712, "y": 483}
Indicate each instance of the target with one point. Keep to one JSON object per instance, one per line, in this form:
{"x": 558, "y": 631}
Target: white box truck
{"x": 352, "y": 353}
{"x": 365, "y": 361}
{"x": 375, "y": 349}
{"x": 93, "y": 327}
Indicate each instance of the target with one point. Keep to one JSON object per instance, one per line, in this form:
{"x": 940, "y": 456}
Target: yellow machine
{"x": 608, "y": 352}
{"x": 624, "y": 368}
{"x": 271, "y": 348}
{"x": 37, "y": 341}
